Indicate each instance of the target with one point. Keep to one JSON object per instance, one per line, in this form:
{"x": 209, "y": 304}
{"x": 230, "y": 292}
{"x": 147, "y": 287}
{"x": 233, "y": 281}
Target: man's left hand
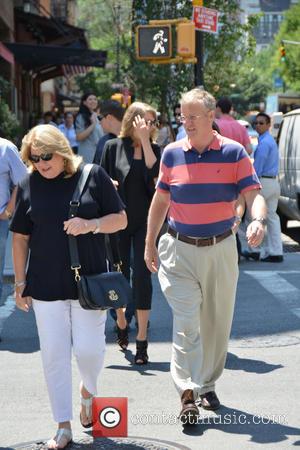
{"x": 255, "y": 233}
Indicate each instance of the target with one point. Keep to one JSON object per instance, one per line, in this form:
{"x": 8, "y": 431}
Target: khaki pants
{"x": 200, "y": 286}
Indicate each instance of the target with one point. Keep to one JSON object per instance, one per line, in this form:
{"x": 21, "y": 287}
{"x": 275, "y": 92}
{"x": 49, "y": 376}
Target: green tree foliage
{"x": 9, "y": 125}
{"x": 110, "y": 22}
{"x": 289, "y": 30}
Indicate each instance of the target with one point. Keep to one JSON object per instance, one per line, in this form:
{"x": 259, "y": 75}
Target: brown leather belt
{"x": 199, "y": 242}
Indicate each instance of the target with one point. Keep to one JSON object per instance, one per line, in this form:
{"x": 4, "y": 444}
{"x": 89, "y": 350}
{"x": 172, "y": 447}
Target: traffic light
{"x": 282, "y": 52}
{"x": 153, "y": 42}
{"x": 186, "y": 39}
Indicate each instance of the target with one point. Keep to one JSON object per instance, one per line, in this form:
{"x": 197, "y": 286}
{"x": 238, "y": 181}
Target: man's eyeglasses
{"x": 177, "y": 114}
{"x": 193, "y": 118}
{"x": 44, "y": 156}
{"x": 259, "y": 123}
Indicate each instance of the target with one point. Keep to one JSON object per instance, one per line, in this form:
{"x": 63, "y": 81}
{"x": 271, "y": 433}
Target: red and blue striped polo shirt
{"x": 204, "y": 187}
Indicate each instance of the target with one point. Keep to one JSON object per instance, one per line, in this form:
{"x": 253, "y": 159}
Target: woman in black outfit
{"x": 40, "y": 223}
{"x": 132, "y": 160}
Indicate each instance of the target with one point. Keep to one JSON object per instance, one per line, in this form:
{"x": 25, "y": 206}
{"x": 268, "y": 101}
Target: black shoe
{"x": 251, "y": 255}
{"x": 273, "y": 258}
{"x": 122, "y": 337}
{"x": 210, "y": 401}
{"x": 141, "y": 356}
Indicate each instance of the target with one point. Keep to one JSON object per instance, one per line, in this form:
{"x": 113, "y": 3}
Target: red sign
{"x": 110, "y": 416}
{"x": 205, "y": 19}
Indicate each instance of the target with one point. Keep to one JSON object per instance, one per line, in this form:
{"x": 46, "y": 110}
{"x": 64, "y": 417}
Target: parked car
{"x": 289, "y": 168}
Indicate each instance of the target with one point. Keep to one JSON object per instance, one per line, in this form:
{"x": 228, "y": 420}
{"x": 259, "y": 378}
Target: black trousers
{"x": 134, "y": 240}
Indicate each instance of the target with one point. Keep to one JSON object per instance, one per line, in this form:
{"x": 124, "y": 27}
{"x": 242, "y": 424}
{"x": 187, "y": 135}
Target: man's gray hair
{"x": 198, "y": 95}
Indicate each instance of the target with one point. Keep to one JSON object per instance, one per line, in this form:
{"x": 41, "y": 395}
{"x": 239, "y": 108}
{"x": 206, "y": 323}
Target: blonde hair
{"x": 49, "y": 139}
{"x": 135, "y": 109}
{"x": 199, "y": 95}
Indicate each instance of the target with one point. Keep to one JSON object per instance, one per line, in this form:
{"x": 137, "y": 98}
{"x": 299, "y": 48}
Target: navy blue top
{"x": 266, "y": 156}
{"x": 42, "y": 207}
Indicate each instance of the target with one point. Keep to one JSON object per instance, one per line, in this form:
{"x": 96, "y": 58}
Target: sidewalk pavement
{"x": 259, "y": 389}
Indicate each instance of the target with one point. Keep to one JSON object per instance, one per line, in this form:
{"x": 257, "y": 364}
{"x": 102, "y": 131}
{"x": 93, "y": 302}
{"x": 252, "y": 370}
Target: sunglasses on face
{"x": 43, "y": 156}
{"x": 259, "y": 123}
{"x": 151, "y": 123}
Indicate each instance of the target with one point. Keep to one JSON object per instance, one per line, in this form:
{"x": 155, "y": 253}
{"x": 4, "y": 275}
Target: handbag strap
{"x": 74, "y": 205}
{"x": 73, "y": 247}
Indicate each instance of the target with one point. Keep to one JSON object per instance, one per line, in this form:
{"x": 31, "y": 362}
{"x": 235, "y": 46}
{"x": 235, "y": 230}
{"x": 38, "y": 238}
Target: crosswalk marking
{"x": 279, "y": 287}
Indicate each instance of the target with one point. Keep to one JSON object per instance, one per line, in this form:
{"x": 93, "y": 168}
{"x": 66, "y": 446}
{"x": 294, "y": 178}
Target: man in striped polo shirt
{"x": 200, "y": 179}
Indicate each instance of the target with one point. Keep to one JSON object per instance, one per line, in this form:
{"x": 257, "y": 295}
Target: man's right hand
{"x": 151, "y": 257}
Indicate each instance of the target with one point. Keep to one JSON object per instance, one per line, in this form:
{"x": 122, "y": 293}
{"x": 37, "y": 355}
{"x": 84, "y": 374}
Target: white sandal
{"x": 87, "y": 403}
{"x": 61, "y": 433}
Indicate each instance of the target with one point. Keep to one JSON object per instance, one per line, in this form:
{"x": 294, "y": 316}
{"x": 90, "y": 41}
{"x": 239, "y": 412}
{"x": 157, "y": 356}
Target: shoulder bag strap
{"x": 74, "y": 205}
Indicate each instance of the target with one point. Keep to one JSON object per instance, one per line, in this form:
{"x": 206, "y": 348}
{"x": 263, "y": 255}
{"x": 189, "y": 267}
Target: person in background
{"x": 112, "y": 113}
{"x": 266, "y": 164}
{"x": 68, "y": 129}
{"x": 229, "y": 127}
{"x": 88, "y": 128}
{"x": 12, "y": 171}
{"x": 132, "y": 160}
{"x": 179, "y": 130}
{"x": 165, "y": 135}
{"x": 49, "y": 118}
{"x": 47, "y": 283}
{"x": 198, "y": 258}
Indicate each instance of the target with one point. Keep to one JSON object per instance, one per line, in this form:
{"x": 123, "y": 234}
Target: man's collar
{"x": 216, "y": 143}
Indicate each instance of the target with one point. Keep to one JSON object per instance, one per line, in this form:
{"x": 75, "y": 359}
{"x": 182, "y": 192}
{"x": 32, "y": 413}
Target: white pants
{"x": 272, "y": 244}
{"x": 61, "y": 325}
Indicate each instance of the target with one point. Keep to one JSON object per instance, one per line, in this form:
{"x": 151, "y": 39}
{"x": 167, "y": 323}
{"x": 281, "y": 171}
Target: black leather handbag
{"x": 98, "y": 291}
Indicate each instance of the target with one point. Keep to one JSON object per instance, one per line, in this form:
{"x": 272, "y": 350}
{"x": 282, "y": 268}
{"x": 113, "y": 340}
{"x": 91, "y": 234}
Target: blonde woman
{"x": 41, "y": 222}
{"x": 132, "y": 161}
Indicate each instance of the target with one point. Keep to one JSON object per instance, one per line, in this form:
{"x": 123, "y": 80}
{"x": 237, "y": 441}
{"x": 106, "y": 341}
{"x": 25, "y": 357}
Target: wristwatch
{"x": 8, "y": 214}
{"x": 262, "y": 220}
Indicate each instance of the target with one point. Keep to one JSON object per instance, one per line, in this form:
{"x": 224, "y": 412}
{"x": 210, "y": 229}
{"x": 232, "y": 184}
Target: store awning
{"x": 33, "y": 57}
{"x": 6, "y": 54}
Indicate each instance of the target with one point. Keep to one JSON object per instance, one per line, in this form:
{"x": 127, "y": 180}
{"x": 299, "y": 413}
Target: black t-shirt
{"x": 42, "y": 207}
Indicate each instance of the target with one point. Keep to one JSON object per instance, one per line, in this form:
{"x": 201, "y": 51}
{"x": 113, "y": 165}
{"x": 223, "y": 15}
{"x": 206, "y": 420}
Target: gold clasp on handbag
{"x": 77, "y": 274}
{"x": 118, "y": 266}
{"x": 113, "y": 296}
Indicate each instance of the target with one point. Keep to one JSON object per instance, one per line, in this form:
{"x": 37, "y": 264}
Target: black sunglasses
{"x": 100, "y": 117}
{"x": 43, "y": 156}
{"x": 259, "y": 123}
{"x": 152, "y": 122}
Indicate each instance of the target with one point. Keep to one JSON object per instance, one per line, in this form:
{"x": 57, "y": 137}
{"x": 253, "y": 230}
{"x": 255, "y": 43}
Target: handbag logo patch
{"x": 112, "y": 295}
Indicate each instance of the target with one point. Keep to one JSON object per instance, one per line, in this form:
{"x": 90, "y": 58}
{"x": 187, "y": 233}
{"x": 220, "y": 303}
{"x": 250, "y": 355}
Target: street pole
{"x": 198, "y": 68}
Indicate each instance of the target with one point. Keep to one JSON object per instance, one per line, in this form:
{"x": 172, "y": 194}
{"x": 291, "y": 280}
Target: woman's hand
{"x": 78, "y": 226}
{"x": 142, "y": 130}
{"x": 23, "y": 303}
{"x": 94, "y": 118}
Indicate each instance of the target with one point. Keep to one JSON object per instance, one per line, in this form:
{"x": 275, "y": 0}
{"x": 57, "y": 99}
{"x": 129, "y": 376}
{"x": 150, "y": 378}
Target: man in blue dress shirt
{"x": 12, "y": 171}
{"x": 266, "y": 164}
